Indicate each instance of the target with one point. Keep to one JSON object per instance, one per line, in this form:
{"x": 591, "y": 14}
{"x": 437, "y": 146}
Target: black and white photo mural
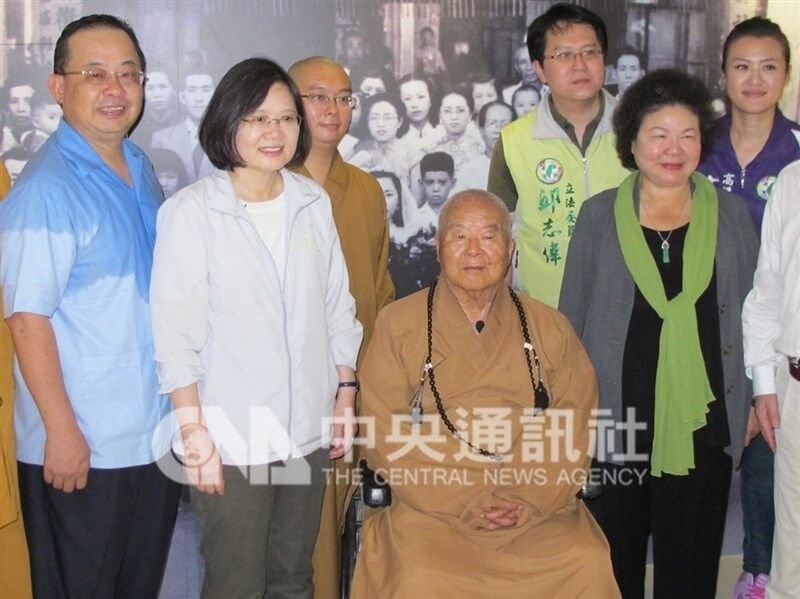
{"x": 436, "y": 62}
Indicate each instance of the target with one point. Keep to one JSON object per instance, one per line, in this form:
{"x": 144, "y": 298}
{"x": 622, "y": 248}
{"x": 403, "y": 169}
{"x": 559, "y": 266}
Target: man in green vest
{"x": 548, "y": 162}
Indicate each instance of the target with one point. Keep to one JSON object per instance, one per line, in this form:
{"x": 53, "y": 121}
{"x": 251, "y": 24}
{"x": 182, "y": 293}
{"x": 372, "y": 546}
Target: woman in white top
{"x": 256, "y": 337}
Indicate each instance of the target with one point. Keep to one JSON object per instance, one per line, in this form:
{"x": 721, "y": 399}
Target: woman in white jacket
{"x": 256, "y": 338}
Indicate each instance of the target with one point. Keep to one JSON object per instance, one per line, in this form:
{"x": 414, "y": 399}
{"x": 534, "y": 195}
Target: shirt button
{"x": 727, "y": 350}
{"x": 730, "y": 389}
{"x": 722, "y": 308}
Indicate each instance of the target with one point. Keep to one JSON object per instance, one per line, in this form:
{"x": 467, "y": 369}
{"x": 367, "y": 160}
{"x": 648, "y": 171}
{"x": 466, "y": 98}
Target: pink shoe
{"x": 748, "y": 587}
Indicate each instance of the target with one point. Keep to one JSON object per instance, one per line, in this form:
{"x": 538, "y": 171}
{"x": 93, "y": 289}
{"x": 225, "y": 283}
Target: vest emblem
{"x": 765, "y": 187}
{"x": 549, "y": 171}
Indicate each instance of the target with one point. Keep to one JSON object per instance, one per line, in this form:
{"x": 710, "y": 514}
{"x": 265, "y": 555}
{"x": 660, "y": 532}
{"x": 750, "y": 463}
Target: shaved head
{"x": 472, "y": 199}
{"x": 313, "y": 62}
{"x": 321, "y": 82}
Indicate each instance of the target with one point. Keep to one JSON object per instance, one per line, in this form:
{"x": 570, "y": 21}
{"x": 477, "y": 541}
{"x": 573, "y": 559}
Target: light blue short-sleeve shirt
{"x": 76, "y": 245}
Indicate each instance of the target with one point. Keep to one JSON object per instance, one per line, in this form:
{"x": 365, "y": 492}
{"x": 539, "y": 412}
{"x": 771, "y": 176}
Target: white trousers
{"x": 784, "y": 580}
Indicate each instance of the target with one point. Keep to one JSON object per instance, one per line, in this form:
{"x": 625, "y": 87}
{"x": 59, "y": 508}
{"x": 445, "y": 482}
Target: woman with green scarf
{"x": 656, "y": 274}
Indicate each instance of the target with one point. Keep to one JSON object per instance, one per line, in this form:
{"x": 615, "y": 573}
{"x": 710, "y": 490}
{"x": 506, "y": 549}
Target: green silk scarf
{"x": 682, "y": 392}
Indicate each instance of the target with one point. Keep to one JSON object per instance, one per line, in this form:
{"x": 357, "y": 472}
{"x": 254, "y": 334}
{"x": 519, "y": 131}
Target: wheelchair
{"x": 373, "y": 492}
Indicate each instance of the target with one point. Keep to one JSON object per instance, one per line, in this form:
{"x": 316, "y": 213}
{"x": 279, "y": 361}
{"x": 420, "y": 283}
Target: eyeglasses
{"x": 103, "y": 77}
{"x": 343, "y": 101}
{"x": 569, "y": 56}
{"x": 262, "y": 121}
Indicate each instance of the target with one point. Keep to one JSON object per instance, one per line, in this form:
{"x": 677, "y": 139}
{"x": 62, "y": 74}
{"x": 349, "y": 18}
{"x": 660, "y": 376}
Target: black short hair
{"x": 485, "y": 108}
{"x": 389, "y": 99}
{"x": 629, "y": 51}
{"x": 465, "y": 92}
{"x": 526, "y": 88}
{"x": 397, "y": 217}
{"x": 663, "y": 87}
{"x": 438, "y": 162}
{"x": 240, "y": 91}
{"x": 433, "y": 92}
{"x": 557, "y": 18}
{"x": 166, "y": 160}
{"x": 99, "y": 21}
{"x": 481, "y": 77}
{"x": 757, "y": 27}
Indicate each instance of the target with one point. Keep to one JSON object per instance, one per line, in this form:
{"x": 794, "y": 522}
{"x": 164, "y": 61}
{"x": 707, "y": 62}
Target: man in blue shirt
{"x": 76, "y": 245}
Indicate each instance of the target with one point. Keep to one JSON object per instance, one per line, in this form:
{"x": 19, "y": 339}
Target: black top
{"x": 642, "y": 347}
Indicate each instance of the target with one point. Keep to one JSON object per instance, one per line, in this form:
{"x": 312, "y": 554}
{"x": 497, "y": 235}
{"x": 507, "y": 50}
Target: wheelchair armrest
{"x": 375, "y": 491}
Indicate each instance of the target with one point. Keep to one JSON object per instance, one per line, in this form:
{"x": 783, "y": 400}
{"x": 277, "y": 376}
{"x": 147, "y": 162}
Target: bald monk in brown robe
{"x": 359, "y": 211}
{"x": 484, "y": 506}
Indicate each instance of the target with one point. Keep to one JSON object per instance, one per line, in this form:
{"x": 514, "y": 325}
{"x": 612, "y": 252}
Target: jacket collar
{"x": 545, "y": 125}
{"x": 298, "y": 192}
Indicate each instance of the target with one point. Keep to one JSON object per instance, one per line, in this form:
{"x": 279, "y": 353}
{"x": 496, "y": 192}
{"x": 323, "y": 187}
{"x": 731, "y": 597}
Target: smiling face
{"x": 417, "y": 101}
{"x": 102, "y": 113}
{"x": 473, "y": 250}
{"x": 578, "y": 80}
{"x": 667, "y": 146}
{"x": 383, "y": 122}
{"x": 454, "y": 114}
{"x": 755, "y": 74}
{"x": 269, "y": 147}
{"x": 196, "y": 95}
{"x": 327, "y": 122}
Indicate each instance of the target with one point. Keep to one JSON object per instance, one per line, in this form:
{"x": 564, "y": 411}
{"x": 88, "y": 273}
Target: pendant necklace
{"x": 541, "y": 397}
{"x": 665, "y": 238}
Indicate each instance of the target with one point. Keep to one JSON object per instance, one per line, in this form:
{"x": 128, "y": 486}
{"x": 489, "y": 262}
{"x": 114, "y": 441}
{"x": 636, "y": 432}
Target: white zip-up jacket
{"x": 264, "y": 354}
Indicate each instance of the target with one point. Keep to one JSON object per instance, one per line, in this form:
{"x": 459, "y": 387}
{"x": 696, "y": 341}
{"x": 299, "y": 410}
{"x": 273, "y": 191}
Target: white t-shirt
{"x": 268, "y": 218}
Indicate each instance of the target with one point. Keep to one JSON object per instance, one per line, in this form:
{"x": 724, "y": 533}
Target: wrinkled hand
{"x": 753, "y": 430}
{"x": 203, "y": 464}
{"x": 769, "y": 417}
{"x": 504, "y": 514}
{"x": 66, "y": 460}
{"x": 343, "y": 427}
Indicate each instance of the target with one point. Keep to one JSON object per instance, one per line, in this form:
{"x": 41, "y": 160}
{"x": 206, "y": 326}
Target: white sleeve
{"x": 179, "y": 292}
{"x": 761, "y": 313}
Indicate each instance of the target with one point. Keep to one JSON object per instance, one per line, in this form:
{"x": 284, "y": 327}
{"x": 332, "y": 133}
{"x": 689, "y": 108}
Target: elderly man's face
{"x": 472, "y": 246}
{"x": 101, "y": 111}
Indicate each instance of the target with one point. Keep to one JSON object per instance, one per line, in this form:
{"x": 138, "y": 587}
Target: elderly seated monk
{"x": 476, "y": 405}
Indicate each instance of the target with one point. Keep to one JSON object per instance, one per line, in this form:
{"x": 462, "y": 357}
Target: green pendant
{"x": 665, "y": 252}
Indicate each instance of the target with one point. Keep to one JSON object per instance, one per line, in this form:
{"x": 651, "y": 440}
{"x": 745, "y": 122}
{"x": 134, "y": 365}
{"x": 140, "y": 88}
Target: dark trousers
{"x": 257, "y": 538}
{"x": 758, "y": 506}
{"x": 109, "y": 540}
{"x": 685, "y": 516}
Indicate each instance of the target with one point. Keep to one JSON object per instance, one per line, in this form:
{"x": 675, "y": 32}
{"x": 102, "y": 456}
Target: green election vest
{"x": 553, "y": 180}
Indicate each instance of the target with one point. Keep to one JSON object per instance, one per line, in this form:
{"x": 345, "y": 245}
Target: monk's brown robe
{"x": 431, "y": 542}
